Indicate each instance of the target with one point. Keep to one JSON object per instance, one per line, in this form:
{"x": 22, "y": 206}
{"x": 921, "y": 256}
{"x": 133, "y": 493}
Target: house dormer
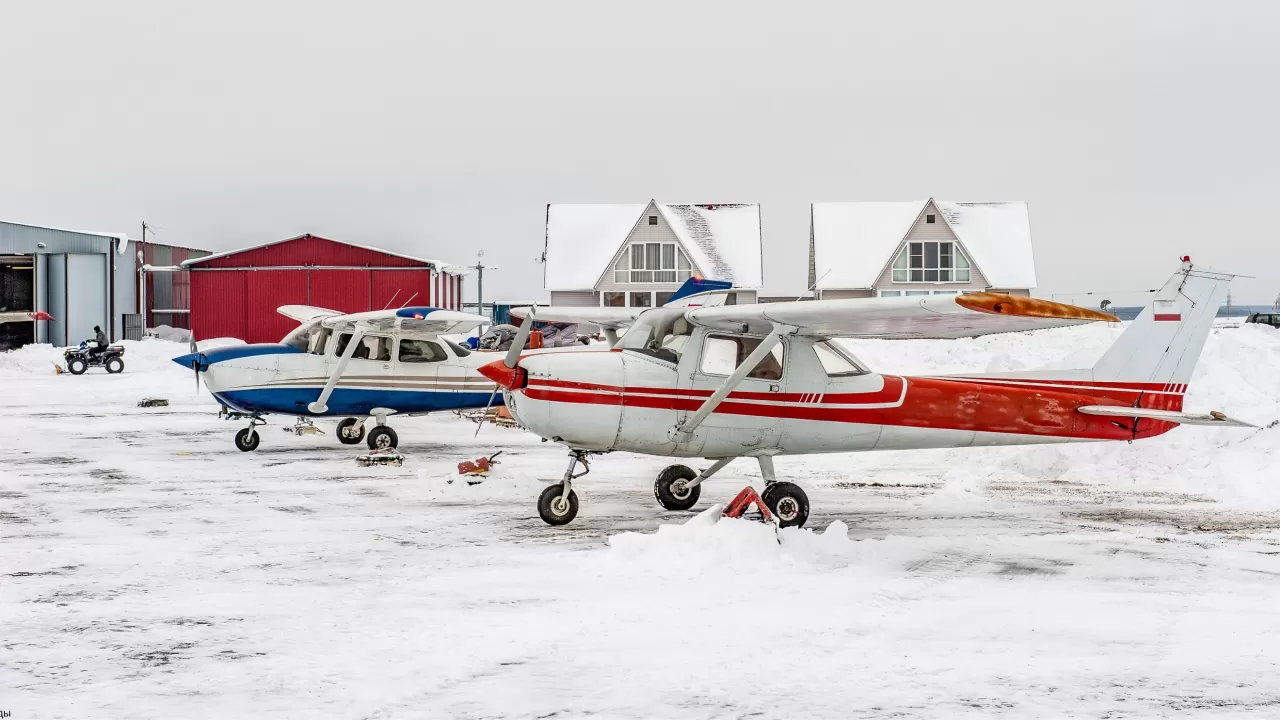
{"x": 639, "y": 255}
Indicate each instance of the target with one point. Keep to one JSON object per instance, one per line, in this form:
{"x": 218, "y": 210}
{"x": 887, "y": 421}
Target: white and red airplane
{"x": 729, "y": 381}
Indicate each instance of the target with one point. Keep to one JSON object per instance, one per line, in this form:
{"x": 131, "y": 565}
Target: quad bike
{"x": 80, "y": 358}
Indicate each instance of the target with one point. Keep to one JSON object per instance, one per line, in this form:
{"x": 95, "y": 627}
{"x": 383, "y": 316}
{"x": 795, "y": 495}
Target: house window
{"x": 931, "y": 262}
{"x": 653, "y": 219}
{"x": 929, "y": 219}
{"x": 614, "y": 299}
{"x": 662, "y": 298}
{"x": 641, "y": 299}
{"x": 652, "y": 263}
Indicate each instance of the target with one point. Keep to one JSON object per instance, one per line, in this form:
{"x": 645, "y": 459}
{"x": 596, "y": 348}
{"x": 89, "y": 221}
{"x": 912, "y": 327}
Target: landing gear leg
{"x": 787, "y": 501}
{"x": 247, "y": 439}
{"x": 558, "y": 504}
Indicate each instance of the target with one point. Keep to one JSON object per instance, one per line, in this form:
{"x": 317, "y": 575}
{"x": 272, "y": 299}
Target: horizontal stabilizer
{"x": 1211, "y": 418}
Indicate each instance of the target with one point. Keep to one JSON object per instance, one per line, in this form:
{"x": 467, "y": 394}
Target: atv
{"x": 84, "y": 357}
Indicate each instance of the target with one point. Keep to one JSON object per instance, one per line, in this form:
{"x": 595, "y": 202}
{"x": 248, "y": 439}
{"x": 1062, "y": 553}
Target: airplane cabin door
{"x": 748, "y": 420}
{"x": 365, "y": 384}
{"x": 418, "y": 368}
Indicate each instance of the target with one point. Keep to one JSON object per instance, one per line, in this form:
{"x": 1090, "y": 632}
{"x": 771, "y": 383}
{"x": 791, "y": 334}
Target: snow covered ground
{"x": 150, "y": 570}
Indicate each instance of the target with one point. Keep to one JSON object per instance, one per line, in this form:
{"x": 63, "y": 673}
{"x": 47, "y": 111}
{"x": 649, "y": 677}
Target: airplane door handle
{"x": 386, "y": 367}
{"x": 774, "y": 388}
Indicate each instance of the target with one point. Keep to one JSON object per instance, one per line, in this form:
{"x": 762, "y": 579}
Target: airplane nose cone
{"x": 187, "y": 360}
{"x": 508, "y": 378}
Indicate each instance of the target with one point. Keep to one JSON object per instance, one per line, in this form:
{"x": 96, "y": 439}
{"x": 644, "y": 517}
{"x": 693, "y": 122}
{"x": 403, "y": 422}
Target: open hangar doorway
{"x": 17, "y": 293}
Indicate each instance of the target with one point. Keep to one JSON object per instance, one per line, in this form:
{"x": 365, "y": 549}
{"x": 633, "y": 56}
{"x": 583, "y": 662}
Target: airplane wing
{"x": 410, "y": 319}
{"x": 303, "y": 313}
{"x": 605, "y": 317}
{"x": 900, "y": 318}
{"x": 24, "y": 316}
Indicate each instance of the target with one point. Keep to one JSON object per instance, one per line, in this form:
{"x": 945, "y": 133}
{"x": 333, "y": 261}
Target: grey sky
{"x": 1137, "y": 131}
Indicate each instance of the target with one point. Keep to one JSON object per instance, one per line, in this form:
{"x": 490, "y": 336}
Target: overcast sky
{"x": 1138, "y": 132}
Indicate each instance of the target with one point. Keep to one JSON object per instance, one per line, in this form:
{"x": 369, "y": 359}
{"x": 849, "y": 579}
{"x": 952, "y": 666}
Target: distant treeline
{"x": 1237, "y": 311}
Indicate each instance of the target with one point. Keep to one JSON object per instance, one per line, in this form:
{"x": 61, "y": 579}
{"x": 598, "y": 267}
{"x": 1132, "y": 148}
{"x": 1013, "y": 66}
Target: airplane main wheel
{"x": 115, "y": 365}
{"x": 672, "y": 490}
{"x": 554, "y": 509}
{"x": 382, "y": 438}
{"x": 350, "y": 431}
{"x": 77, "y": 366}
{"x": 788, "y": 502}
{"x": 247, "y": 440}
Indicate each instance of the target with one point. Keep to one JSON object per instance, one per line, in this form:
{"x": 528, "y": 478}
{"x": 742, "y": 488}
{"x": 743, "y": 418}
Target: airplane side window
{"x": 379, "y": 348}
{"x": 421, "y": 351}
{"x": 722, "y": 355}
{"x": 835, "y": 362}
{"x": 341, "y": 347}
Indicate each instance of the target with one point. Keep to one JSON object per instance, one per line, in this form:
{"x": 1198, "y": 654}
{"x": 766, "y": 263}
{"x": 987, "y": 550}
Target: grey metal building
{"x": 80, "y": 278}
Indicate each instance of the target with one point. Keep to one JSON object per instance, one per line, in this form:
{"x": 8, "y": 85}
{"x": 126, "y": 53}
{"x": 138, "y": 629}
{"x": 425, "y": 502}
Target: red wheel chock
{"x": 744, "y": 501}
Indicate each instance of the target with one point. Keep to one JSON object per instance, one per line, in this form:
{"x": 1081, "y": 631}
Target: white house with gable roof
{"x": 638, "y": 255}
{"x": 921, "y": 247}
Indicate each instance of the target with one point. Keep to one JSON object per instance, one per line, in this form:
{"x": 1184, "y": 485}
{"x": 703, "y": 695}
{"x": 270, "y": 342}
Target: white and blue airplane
{"x": 376, "y": 364}
{"x": 357, "y": 366}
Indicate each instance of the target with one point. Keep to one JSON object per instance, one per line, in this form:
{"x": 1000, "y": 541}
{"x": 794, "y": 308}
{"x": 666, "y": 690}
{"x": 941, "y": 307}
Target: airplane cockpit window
{"x": 836, "y": 362}
{"x": 421, "y": 351}
{"x": 319, "y": 339}
{"x": 659, "y": 334}
{"x": 722, "y": 354}
{"x": 371, "y": 347}
{"x": 302, "y": 337}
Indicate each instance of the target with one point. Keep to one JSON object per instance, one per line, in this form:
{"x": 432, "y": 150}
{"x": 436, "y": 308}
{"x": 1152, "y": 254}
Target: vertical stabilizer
{"x": 1164, "y": 342}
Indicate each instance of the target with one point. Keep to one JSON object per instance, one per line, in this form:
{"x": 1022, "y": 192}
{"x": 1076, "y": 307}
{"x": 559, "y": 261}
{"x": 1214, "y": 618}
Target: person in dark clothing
{"x": 100, "y": 338}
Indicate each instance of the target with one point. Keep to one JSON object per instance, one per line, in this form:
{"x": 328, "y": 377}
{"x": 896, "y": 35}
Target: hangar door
{"x": 86, "y": 296}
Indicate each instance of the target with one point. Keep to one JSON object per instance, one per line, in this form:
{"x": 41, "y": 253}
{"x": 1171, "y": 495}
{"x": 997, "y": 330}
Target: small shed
{"x": 920, "y": 247}
{"x": 236, "y": 293}
{"x": 638, "y": 255}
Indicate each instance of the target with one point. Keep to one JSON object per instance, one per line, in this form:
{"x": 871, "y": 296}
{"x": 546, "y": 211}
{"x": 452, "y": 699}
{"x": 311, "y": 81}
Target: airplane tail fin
{"x": 1163, "y": 344}
{"x": 700, "y": 292}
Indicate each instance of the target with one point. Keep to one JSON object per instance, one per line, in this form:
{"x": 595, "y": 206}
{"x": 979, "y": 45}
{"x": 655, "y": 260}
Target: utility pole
{"x": 480, "y": 267}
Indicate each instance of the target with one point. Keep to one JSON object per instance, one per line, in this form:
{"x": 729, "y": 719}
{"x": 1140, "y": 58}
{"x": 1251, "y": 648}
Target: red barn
{"x": 236, "y": 293}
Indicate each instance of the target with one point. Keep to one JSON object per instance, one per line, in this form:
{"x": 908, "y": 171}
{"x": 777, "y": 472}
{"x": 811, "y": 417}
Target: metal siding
{"x": 86, "y": 296}
{"x": 397, "y": 288}
{"x": 310, "y": 250}
{"x": 15, "y": 238}
{"x": 435, "y": 296}
{"x": 342, "y": 290}
{"x": 574, "y": 298}
{"x": 218, "y": 304}
{"x": 56, "y": 298}
{"x": 267, "y": 290}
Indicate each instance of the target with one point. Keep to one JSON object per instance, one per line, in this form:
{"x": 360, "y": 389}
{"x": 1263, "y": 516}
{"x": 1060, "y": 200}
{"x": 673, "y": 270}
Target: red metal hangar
{"x": 236, "y": 293}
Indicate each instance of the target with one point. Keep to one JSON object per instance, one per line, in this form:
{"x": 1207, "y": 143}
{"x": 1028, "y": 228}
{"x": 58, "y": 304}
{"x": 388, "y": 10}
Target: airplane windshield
{"x": 300, "y": 338}
{"x": 660, "y": 334}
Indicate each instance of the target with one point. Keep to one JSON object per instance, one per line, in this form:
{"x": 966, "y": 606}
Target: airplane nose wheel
{"x": 788, "y": 502}
{"x": 554, "y": 509}
{"x": 673, "y": 490}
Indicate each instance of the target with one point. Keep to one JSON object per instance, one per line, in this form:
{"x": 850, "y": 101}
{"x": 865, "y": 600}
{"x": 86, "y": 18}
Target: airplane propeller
{"x": 513, "y": 357}
{"x": 195, "y": 360}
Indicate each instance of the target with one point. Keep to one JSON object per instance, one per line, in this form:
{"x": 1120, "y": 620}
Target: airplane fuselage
{"x": 633, "y": 401}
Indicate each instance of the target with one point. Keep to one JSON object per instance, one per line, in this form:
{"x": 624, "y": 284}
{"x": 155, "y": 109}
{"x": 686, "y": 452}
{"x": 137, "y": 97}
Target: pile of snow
{"x": 172, "y": 334}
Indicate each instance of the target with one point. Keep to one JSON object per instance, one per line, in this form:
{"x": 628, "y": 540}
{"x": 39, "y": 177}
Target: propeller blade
{"x": 195, "y": 362}
{"x": 195, "y": 367}
{"x": 522, "y": 337}
{"x": 487, "y": 405}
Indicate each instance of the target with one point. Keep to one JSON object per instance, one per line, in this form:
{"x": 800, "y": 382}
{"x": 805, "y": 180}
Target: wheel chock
{"x": 386, "y": 456}
{"x": 743, "y": 502}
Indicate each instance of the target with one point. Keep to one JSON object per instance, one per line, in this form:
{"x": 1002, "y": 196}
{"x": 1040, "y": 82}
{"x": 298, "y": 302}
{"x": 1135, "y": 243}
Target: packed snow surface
{"x": 150, "y": 570}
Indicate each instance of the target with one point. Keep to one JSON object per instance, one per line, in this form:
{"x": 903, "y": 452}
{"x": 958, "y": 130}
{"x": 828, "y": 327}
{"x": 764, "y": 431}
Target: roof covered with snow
{"x": 440, "y": 266}
{"x": 855, "y": 241}
{"x": 723, "y": 241}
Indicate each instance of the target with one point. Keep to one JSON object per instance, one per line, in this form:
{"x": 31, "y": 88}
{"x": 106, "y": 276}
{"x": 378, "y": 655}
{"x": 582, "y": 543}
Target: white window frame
{"x": 626, "y": 294}
{"x": 679, "y": 269}
{"x": 957, "y": 268}
{"x": 916, "y": 293}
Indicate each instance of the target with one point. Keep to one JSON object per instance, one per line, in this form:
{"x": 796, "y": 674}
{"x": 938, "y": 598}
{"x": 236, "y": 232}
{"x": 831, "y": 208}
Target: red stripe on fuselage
{"x": 933, "y": 403}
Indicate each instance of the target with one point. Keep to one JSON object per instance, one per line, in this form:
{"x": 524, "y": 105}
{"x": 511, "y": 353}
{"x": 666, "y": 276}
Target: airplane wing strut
{"x": 690, "y": 423}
